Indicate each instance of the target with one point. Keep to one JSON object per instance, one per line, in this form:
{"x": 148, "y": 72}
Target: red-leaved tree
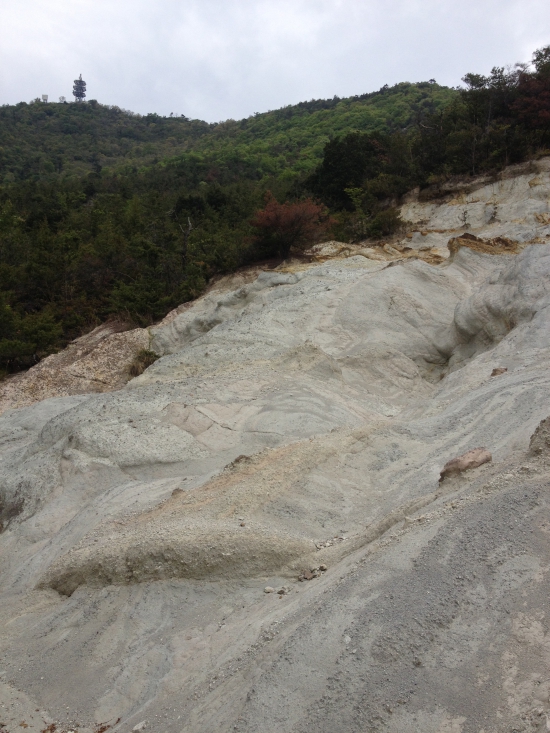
{"x": 533, "y": 103}
{"x": 297, "y": 225}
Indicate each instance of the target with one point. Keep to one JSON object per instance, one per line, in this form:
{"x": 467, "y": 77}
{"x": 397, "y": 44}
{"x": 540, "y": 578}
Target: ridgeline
{"x": 43, "y": 142}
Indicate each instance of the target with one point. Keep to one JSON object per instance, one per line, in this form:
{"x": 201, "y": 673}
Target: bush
{"x": 142, "y": 361}
{"x": 386, "y": 222}
{"x": 281, "y": 227}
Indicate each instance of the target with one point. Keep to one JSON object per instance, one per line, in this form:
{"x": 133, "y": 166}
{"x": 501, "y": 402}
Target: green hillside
{"x": 291, "y": 140}
{"x": 44, "y": 141}
{"x": 108, "y": 214}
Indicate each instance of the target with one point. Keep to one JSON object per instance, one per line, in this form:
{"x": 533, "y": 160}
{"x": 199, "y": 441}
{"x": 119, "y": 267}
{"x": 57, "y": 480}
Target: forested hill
{"x": 107, "y": 214}
{"x": 45, "y": 141}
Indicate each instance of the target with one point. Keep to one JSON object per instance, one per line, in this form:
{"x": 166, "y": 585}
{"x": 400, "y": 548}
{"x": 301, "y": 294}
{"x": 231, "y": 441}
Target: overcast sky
{"x": 217, "y": 59}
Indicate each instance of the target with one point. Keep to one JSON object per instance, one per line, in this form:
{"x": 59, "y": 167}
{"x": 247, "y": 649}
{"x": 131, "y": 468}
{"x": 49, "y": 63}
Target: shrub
{"x": 281, "y": 227}
{"x": 142, "y": 360}
{"x": 386, "y": 222}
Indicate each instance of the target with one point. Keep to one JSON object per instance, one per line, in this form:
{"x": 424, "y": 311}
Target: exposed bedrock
{"x": 540, "y": 440}
{"x": 471, "y": 459}
{"x": 302, "y": 420}
{"x": 516, "y": 296}
{"x": 365, "y": 348}
{"x": 343, "y": 344}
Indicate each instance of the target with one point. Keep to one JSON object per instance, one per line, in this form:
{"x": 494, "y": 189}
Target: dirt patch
{"x": 201, "y": 533}
{"x": 96, "y": 362}
{"x": 495, "y": 246}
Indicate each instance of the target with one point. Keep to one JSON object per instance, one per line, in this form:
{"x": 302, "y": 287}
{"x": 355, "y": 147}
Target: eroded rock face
{"x": 98, "y": 361}
{"x": 295, "y": 428}
{"x": 515, "y": 298}
{"x": 494, "y": 246}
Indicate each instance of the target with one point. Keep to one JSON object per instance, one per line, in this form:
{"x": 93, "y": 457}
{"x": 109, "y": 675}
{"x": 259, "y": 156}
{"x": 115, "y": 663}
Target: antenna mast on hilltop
{"x": 79, "y": 89}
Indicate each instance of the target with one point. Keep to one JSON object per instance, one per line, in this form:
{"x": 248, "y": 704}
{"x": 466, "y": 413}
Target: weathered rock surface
{"x": 299, "y": 422}
{"x": 96, "y": 362}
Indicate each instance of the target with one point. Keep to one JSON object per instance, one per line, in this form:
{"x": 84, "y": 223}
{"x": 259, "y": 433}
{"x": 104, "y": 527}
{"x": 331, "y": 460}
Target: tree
{"x": 281, "y": 227}
{"x": 541, "y": 61}
{"x": 533, "y": 104}
{"x": 347, "y": 161}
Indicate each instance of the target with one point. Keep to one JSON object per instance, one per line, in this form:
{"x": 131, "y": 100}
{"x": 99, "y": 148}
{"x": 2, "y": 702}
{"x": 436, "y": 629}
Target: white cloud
{"x": 216, "y": 59}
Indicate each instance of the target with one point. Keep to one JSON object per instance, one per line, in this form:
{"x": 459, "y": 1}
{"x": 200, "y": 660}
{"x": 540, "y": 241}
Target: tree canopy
{"x": 107, "y": 214}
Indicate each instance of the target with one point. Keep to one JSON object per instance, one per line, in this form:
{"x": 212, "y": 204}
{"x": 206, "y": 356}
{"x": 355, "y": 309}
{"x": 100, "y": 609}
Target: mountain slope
{"x": 43, "y": 141}
{"x": 253, "y": 535}
{"x": 108, "y": 215}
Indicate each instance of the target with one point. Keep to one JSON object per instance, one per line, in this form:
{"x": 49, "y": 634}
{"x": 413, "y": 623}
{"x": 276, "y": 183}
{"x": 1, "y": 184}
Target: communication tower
{"x": 62, "y": 99}
{"x": 79, "y": 89}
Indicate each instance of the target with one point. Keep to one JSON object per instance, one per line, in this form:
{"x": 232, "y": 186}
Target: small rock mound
{"x": 201, "y": 533}
{"x": 471, "y": 459}
{"x": 540, "y": 440}
{"x": 175, "y": 550}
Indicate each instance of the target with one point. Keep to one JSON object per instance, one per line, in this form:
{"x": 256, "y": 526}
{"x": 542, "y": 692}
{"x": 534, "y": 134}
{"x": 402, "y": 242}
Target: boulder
{"x": 471, "y": 459}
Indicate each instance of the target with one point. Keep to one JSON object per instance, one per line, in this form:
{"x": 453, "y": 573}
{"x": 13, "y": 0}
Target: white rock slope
{"x": 301, "y": 422}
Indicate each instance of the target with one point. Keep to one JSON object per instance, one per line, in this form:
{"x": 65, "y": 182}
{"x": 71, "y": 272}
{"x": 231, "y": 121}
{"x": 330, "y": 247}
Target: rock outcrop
{"x": 540, "y": 440}
{"x": 471, "y": 459}
{"x": 292, "y": 437}
{"x": 96, "y": 362}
